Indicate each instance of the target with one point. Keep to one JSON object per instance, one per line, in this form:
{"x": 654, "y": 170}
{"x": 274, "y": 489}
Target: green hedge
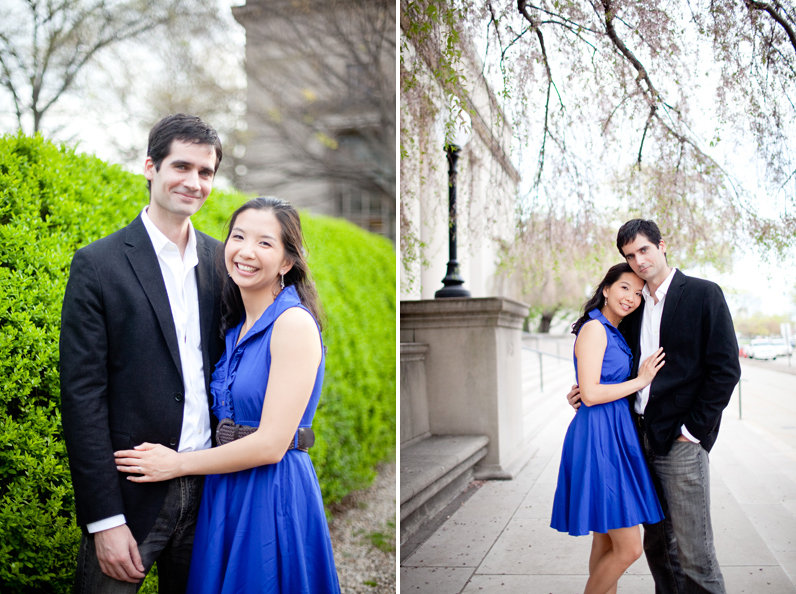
{"x": 53, "y": 201}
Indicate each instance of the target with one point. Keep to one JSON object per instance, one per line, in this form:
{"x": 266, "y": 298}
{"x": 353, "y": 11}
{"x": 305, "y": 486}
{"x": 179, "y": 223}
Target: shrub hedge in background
{"x": 53, "y": 201}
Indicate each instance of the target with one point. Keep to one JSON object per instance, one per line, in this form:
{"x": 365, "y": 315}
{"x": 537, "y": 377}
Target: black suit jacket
{"x": 702, "y": 366}
{"x": 121, "y": 377}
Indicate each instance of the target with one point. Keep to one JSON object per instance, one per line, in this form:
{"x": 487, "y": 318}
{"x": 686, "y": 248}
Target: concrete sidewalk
{"x": 500, "y": 540}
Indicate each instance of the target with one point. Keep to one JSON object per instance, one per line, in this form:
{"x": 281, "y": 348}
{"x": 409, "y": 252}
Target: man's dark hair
{"x": 631, "y": 229}
{"x": 184, "y": 128}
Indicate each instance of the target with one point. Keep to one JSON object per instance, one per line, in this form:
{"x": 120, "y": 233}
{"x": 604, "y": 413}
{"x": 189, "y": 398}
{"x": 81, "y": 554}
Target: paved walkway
{"x": 499, "y": 539}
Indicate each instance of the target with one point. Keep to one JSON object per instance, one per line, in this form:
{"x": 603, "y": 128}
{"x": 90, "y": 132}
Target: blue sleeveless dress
{"x": 603, "y": 480}
{"x": 261, "y": 530}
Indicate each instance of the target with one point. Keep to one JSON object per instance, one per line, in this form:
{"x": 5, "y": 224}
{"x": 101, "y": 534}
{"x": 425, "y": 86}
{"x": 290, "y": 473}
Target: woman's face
{"x": 624, "y": 296}
{"x": 254, "y": 253}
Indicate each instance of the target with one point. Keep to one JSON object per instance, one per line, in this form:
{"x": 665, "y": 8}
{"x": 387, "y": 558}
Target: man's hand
{"x": 117, "y": 553}
{"x": 574, "y": 397}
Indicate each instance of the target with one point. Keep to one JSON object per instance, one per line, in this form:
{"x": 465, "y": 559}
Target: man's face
{"x": 184, "y": 181}
{"x": 645, "y": 258}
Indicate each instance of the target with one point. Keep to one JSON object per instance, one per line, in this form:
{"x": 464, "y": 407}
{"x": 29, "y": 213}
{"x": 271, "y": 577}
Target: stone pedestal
{"x": 414, "y": 397}
{"x": 473, "y": 373}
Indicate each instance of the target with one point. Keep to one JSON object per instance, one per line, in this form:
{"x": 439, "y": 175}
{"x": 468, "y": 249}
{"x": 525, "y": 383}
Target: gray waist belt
{"x": 228, "y": 431}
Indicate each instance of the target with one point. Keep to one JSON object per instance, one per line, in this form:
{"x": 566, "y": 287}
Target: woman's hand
{"x": 650, "y": 366}
{"x": 154, "y": 462}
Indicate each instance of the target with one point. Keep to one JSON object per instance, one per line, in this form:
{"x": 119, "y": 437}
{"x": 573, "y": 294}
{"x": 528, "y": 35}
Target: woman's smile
{"x": 245, "y": 267}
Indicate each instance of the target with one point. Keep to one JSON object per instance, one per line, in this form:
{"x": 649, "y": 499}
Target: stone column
{"x": 474, "y": 373}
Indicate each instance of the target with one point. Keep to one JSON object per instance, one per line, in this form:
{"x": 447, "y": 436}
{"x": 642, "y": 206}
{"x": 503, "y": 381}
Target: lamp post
{"x": 457, "y": 136}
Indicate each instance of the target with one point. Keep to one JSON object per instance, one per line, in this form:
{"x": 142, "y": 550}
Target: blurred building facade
{"x": 321, "y": 106}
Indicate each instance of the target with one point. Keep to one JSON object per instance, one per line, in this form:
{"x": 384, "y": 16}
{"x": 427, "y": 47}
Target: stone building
{"x": 487, "y": 180}
{"x": 462, "y": 410}
{"x": 321, "y": 106}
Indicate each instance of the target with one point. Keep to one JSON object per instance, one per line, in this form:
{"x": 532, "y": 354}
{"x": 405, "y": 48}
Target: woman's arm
{"x": 295, "y": 356}
{"x": 590, "y": 350}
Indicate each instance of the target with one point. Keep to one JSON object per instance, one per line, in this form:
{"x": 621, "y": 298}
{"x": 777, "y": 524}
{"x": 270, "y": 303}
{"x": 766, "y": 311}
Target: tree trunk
{"x": 546, "y": 320}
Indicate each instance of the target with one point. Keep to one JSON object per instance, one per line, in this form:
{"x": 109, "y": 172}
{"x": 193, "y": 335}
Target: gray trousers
{"x": 169, "y": 543}
{"x": 679, "y": 549}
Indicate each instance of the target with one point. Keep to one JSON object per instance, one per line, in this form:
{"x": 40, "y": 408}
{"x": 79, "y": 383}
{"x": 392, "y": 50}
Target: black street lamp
{"x": 454, "y": 143}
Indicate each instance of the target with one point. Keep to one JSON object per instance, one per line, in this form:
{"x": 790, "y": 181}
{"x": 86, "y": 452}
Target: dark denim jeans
{"x": 169, "y": 543}
{"x": 679, "y": 549}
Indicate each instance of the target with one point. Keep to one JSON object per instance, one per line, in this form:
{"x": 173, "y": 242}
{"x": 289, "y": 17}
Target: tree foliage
{"x": 759, "y": 324}
{"x": 172, "y": 70}
{"x": 556, "y": 281}
{"x": 632, "y": 92}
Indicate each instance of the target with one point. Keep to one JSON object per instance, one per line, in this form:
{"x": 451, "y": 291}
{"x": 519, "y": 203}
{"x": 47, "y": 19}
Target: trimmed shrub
{"x": 53, "y": 201}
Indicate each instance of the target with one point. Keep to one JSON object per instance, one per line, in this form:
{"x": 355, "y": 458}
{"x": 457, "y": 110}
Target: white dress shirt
{"x": 650, "y": 339}
{"x": 179, "y": 276}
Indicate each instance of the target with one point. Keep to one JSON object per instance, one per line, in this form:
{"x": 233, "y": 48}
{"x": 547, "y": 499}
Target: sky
{"x": 762, "y": 287}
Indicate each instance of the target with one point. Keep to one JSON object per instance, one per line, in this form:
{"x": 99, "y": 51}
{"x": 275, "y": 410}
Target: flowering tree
{"x": 677, "y": 110}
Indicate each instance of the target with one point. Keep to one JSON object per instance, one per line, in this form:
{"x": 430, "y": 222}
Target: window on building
{"x": 363, "y": 202}
{"x": 361, "y": 83}
{"x": 370, "y": 210}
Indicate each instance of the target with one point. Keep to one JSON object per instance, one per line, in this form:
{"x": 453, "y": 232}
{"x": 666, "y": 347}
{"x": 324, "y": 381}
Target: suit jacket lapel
{"x": 205, "y": 276}
{"x": 144, "y": 261}
{"x": 670, "y": 305}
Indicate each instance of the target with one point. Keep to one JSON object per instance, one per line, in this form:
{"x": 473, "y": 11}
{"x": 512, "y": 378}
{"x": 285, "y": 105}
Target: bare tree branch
{"x": 650, "y": 92}
{"x": 54, "y": 42}
{"x": 771, "y": 10}
{"x": 332, "y": 117}
{"x": 653, "y": 108}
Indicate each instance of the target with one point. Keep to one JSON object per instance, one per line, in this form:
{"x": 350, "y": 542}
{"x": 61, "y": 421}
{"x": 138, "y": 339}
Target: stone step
{"x": 434, "y": 472}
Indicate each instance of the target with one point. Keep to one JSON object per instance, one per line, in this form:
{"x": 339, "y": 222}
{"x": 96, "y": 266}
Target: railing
{"x": 551, "y": 343}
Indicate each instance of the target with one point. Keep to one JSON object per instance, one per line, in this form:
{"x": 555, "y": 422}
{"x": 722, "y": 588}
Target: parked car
{"x": 783, "y": 348}
{"x": 768, "y": 348}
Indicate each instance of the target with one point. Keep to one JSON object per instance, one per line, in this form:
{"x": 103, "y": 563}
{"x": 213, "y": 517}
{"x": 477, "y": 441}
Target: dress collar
{"x": 287, "y": 298}
{"x": 596, "y": 314}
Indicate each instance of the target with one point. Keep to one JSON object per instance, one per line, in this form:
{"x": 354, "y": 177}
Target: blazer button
{"x": 178, "y": 396}
{"x": 173, "y": 441}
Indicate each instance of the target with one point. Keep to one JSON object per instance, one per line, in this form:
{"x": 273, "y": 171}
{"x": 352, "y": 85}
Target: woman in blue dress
{"x": 604, "y": 485}
{"x": 261, "y": 525}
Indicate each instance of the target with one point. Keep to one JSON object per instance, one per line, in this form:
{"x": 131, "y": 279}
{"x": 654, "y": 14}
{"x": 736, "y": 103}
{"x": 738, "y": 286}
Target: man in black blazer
{"x": 139, "y": 339}
{"x": 679, "y": 414}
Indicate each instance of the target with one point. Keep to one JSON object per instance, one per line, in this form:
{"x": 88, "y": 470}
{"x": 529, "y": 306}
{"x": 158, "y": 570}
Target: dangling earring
{"x": 283, "y": 280}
